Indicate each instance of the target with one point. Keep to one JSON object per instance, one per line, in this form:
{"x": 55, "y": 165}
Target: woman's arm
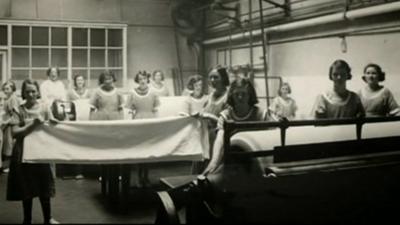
{"x": 217, "y": 154}
{"x": 27, "y": 128}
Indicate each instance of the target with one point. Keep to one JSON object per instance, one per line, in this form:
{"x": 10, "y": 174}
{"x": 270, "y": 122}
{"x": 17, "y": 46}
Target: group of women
{"x": 236, "y": 100}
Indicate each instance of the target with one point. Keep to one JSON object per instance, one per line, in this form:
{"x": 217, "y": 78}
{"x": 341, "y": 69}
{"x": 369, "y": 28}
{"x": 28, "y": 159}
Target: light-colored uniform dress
{"x": 73, "y": 95}
{"x": 28, "y": 180}
{"x": 194, "y": 105}
{"x": 52, "y": 90}
{"x": 379, "y": 103}
{"x": 284, "y": 108}
{"x": 326, "y": 107}
{"x": 11, "y": 105}
{"x": 81, "y": 101}
{"x": 163, "y": 91}
{"x": 144, "y": 105}
{"x": 108, "y": 105}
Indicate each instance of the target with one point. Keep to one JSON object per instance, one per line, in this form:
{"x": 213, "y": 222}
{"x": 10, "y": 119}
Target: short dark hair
{"x": 284, "y": 84}
{"x": 76, "y": 77}
{"x": 29, "y": 82}
{"x": 250, "y": 89}
{"x": 49, "y": 70}
{"x": 381, "y": 74}
{"x": 339, "y": 63}
{"x": 105, "y": 74}
{"x": 12, "y": 85}
{"x": 142, "y": 73}
{"x": 158, "y": 71}
{"x": 223, "y": 73}
{"x": 192, "y": 80}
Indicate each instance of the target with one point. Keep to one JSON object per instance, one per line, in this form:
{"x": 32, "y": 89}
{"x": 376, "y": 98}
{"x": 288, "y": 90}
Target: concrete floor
{"x": 80, "y": 201}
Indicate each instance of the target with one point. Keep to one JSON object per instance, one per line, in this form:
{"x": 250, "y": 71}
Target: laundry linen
{"x": 118, "y": 141}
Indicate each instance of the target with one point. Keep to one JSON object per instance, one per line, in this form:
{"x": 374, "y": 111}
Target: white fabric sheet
{"x": 122, "y": 141}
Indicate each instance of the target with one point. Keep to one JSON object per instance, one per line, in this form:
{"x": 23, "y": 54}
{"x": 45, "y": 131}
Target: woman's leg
{"x": 46, "y": 209}
{"x": 27, "y": 207}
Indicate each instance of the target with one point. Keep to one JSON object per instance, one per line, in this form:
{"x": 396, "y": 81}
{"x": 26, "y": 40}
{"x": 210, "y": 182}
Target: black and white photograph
{"x": 199, "y": 111}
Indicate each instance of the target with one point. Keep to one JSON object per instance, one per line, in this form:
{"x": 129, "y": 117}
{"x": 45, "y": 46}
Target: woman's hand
{"x": 37, "y": 121}
{"x": 53, "y": 121}
{"x": 183, "y": 114}
{"x": 211, "y": 168}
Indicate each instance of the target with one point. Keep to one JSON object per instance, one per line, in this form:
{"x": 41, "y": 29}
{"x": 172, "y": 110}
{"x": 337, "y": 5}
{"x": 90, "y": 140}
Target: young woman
{"x": 377, "y": 99}
{"x": 28, "y": 180}
{"x": 107, "y": 104}
{"x": 158, "y": 83}
{"x": 338, "y": 102}
{"x": 11, "y": 104}
{"x": 283, "y": 106}
{"x": 106, "y": 101}
{"x": 77, "y": 93}
{"x": 52, "y": 88}
{"x": 242, "y": 100}
{"x": 197, "y": 99}
{"x": 217, "y": 101}
{"x": 144, "y": 103}
{"x": 80, "y": 90}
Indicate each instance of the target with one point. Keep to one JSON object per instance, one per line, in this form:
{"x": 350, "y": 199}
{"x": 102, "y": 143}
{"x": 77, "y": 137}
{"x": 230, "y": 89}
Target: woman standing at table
{"x": 52, "y": 88}
{"x": 76, "y": 94}
{"x": 11, "y": 103}
{"x": 217, "y": 101}
{"x": 158, "y": 84}
{"x": 377, "y": 99}
{"x": 197, "y": 99}
{"x": 144, "y": 103}
{"x": 29, "y": 180}
{"x": 338, "y": 102}
{"x": 107, "y": 104}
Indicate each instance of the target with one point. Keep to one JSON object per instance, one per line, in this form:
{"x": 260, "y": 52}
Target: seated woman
{"x": 377, "y": 99}
{"x": 283, "y": 106}
{"x": 338, "y": 102}
{"x": 242, "y": 100}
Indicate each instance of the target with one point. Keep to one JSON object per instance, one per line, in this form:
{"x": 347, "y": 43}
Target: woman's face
{"x": 241, "y": 96}
{"x": 108, "y": 82}
{"x": 31, "y": 93}
{"x": 142, "y": 81}
{"x": 215, "y": 79}
{"x": 53, "y": 75}
{"x": 158, "y": 77}
{"x": 284, "y": 90}
{"x": 80, "y": 82}
{"x": 371, "y": 75}
{"x": 198, "y": 88}
{"x": 7, "y": 90}
{"x": 339, "y": 75}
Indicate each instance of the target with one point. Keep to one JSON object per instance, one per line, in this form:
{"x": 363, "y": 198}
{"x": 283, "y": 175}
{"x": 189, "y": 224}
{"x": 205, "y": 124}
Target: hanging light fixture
{"x": 343, "y": 44}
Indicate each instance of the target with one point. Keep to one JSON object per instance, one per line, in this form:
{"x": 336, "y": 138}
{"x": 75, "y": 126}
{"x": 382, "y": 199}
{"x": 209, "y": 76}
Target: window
{"x": 87, "y": 50}
{"x": 3, "y": 35}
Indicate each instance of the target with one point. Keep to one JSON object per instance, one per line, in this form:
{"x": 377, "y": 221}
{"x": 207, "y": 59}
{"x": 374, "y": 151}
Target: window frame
{"x": 69, "y": 47}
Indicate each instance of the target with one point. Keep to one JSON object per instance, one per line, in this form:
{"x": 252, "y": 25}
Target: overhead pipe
{"x": 353, "y": 14}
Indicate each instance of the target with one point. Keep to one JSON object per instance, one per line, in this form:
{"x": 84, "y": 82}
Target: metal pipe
{"x": 264, "y": 51}
{"x": 251, "y": 34}
{"x": 353, "y": 14}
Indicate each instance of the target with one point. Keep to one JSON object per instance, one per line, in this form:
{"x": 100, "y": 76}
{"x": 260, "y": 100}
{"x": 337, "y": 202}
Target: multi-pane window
{"x": 86, "y": 50}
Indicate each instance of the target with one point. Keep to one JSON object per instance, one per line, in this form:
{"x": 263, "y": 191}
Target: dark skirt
{"x": 28, "y": 180}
